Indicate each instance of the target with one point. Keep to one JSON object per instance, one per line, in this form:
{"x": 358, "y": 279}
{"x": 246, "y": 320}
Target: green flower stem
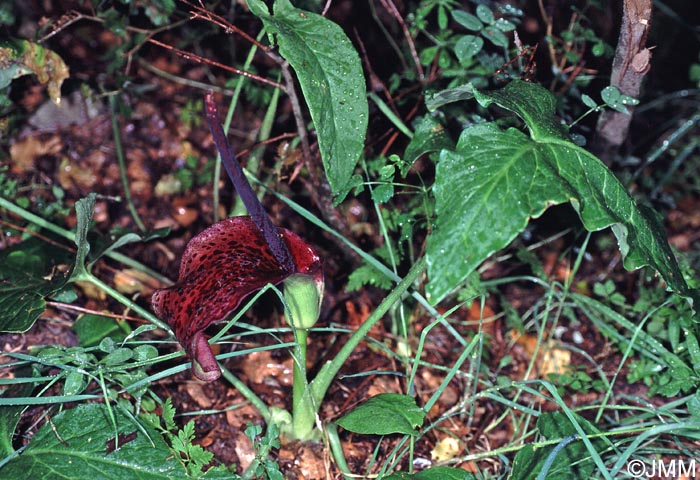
{"x": 299, "y": 371}
{"x": 303, "y": 407}
{"x": 256, "y": 401}
{"x": 68, "y": 235}
{"x": 122, "y": 164}
{"x": 125, "y": 301}
{"x": 305, "y": 415}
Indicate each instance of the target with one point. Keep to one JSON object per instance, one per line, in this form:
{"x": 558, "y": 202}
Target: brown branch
{"x": 204, "y": 14}
{"x": 197, "y": 58}
{"x": 75, "y": 308}
{"x": 630, "y": 65}
{"x": 394, "y": 12}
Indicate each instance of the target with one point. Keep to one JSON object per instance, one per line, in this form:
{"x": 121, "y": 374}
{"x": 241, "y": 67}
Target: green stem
{"x": 126, "y": 302}
{"x": 303, "y": 405}
{"x": 256, "y": 401}
{"x": 337, "y": 450}
{"x": 68, "y": 235}
{"x": 122, "y": 164}
{"x": 393, "y": 118}
{"x": 320, "y": 384}
{"x": 299, "y": 371}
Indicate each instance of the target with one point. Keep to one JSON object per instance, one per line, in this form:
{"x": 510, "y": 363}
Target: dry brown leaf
{"x": 309, "y": 464}
{"x": 550, "y": 357}
{"x": 130, "y": 280}
{"x": 445, "y": 449}
{"x": 71, "y": 173}
{"x": 92, "y": 291}
{"x": 24, "y": 153}
{"x": 243, "y": 447}
{"x": 196, "y": 391}
{"x": 260, "y": 366}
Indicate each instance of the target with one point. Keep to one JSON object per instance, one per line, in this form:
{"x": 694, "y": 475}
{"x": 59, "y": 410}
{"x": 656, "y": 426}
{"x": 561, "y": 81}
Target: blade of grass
{"x": 122, "y": 164}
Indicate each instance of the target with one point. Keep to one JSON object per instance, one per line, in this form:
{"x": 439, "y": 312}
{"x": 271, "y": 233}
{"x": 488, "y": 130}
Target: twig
{"x": 630, "y": 66}
{"x": 326, "y": 7}
{"x": 36, "y": 234}
{"x": 75, "y": 308}
{"x": 204, "y": 14}
{"x": 183, "y": 81}
{"x": 394, "y": 12}
{"x": 200, "y": 59}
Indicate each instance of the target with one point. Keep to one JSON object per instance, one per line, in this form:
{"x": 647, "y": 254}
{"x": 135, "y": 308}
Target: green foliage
{"x": 367, "y": 275}
{"x": 433, "y": 473}
{"x": 578, "y": 37}
{"x": 264, "y": 467}
{"x": 91, "y": 329}
{"x": 475, "y": 48}
{"x": 385, "y": 414}
{"x": 576, "y": 380}
{"x": 193, "y": 174}
{"x": 31, "y": 272}
{"x": 113, "y": 366}
{"x": 330, "y": 74}
{"x": 488, "y": 189}
{"x": 569, "y": 458}
{"x": 608, "y": 291}
{"x": 10, "y": 416}
{"x": 429, "y": 136}
{"x": 90, "y": 441}
{"x": 193, "y": 457}
{"x": 667, "y": 353}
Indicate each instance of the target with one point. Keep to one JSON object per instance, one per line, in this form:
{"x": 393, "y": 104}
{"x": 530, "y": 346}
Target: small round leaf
{"x": 468, "y": 46}
{"x": 485, "y": 14}
{"x": 75, "y": 383}
{"x": 467, "y": 20}
{"x": 118, "y": 356}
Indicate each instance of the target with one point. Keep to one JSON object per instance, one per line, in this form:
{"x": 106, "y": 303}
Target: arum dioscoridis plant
{"x": 228, "y": 261}
{"x": 238, "y": 256}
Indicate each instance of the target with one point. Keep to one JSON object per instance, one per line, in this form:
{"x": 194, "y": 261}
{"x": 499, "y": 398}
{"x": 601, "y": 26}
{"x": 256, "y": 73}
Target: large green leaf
{"x": 29, "y": 273}
{"x": 433, "y": 473}
{"x": 385, "y": 414}
{"x": 429, "y": 137}
{"x": 330, "y": 74}
{"x": 80, "y": 444}
{"x": 495, "y": 181}
{"x": 568, "y": 459}
{"x": 10, "y": 416}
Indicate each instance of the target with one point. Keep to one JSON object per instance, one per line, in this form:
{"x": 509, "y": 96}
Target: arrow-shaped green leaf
{"x": 489, "y": 187}
{"x": 330, "y": 74}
